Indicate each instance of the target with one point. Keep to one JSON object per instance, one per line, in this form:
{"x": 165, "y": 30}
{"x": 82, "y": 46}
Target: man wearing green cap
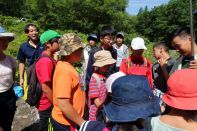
{"x": 44, "y": 69}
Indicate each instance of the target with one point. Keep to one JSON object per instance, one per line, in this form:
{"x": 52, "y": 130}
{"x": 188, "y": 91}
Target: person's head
{"x": 49, "y": 39}
{"x": 182, "y": 40}
{"x": 31, "y": 30}
{"x": 107, "y": 37}
{"x": 92, "y": 39}
{"x": 119, "y": 38}
{"x": 132, "y": 99}
{"x": 103, "y": 60}
{"x": 159, "y": 49}
{"x": 71, "y": 48}
{"x": 182, "y": 92}
{"x": 5, "y": 38}
{"x": 138, "y": 46}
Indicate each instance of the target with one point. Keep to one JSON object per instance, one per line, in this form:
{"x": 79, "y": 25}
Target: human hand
{"x": 21, "y": 82}
{"x": 162, "y": 62}
{"x": 193, "y": 64}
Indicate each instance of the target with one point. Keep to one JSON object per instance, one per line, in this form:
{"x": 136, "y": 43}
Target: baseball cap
{"x": 138, "y": 43}
{"x": 48, "y": 35}
{"x": 120, "y": 34}
{"x": 93, "y": 37}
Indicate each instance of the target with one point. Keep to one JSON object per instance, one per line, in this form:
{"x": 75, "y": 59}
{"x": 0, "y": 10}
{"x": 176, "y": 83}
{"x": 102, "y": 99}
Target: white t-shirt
{"x": 6, "y": 73}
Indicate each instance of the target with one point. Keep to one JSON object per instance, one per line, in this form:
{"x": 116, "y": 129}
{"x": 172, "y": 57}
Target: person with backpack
{"x": 106, "y": 41}
{"x": 45, "y": 67}
{"x": 68, "y": 95}
{"x": 136, "y": 64}
{"x": 7, "y": 77}
{"x": 122, "y": 49}
{"x": 97, "y": 89}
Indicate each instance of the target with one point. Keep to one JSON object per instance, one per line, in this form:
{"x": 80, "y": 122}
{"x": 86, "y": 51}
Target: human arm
{"x": 193, "y": 64}
{"x": 68, "y": 111}
{"x": 47, "y": 90}
{"x": 97, "y": 102}
{"x": 21, "y": 72}
{"x": 163, "y": 64}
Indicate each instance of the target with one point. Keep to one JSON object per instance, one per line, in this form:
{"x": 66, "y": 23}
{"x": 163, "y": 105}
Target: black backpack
{"x": 34, "y": 92}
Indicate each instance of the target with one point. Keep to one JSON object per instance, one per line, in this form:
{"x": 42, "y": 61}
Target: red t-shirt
{"x": 44, "y": 71}
{"x": 138, "y": 66}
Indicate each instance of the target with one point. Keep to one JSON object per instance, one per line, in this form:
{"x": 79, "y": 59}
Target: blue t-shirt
{"x": 29, "y": 53}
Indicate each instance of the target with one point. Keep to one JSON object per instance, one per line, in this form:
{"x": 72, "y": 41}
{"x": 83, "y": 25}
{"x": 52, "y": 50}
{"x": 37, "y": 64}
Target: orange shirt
{"x": 66, "y": 84}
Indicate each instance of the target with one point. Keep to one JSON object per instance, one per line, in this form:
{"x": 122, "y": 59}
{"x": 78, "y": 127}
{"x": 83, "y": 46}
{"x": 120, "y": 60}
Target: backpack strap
{"x": 98, "y": 80}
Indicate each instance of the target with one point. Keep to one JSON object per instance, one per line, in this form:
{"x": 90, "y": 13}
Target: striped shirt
{"x": 96, "y": 92}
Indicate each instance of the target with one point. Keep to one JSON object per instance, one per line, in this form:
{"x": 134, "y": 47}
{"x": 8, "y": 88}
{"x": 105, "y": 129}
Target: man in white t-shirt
{"x": 122, "y": 49}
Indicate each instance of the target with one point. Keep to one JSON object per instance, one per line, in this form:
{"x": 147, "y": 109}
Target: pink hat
{"x": 182, "y": 90}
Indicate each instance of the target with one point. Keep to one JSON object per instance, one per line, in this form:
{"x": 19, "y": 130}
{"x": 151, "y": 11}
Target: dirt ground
{"x": 25, "y": 117}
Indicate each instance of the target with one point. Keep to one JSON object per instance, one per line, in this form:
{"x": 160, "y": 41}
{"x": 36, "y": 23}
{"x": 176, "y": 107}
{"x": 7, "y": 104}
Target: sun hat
{"x": 182, "y": 90}
{"x": 69, "y": 42}
{"x": 120, "y": 34}
{"x": 132, "y": 99}
{"x": 48, "y": 35}
{"x": 112, "y": 78}
{"x": 138, "y": 43}
{"x": 8, "y": 35}
{"x": 93, "y": 37}
{"x": 103, "y": 58}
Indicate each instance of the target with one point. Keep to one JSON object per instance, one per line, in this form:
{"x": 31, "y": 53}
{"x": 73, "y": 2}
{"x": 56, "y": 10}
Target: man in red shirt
{"x": 137, "y": 64}
{"x": 44, "y": 69}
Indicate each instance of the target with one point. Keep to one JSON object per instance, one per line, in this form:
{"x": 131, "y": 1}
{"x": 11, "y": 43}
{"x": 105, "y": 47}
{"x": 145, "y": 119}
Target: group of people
{"x": 116, "y": 90}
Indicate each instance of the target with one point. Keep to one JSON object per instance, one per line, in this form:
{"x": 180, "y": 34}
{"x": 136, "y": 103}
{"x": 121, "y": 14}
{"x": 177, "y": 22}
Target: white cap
{"x": 138, "y": 43}
{"x": 111, "y": 79}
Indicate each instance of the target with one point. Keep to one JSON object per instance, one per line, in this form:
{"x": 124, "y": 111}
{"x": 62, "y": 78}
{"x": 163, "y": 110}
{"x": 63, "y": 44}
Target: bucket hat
{"x": 182, "y": 90}
{"x": 112, "y": 78}
{"x": 48, "y": 35}
{"x": 132, "y": 99}
{"x": 138, "y": 43}
{"x": 69, "y": 42}
{"x": 103, "y": 58}
{"x": 93, "y": 37}
{"x": 8, "y": 35}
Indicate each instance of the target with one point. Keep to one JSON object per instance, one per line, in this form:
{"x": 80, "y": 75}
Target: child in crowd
{"x": 97, "y": 88}
{"x": 68, "y": 96}
{"x": 45, "y": 67}
{"x": 122, "y": 49}
{"x": 136, "y": 64}
{"x": 132, "y": 102}
{"x": 181, "y": 97}
{"x": 7, "y": 77}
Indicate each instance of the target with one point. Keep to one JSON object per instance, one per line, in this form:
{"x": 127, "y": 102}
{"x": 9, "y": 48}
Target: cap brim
{"x": 103, "y": 63}
{"x": 10, "y": 36}
{"x": 137, "y": 48}
{"x": 117, "y": 113}
{"x": 186, "y": 103}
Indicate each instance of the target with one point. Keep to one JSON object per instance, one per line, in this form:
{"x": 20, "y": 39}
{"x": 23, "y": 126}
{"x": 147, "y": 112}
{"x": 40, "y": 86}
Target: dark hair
{"x": 182, "y": 32}
{"x": 161, "y": 45}
{"x": 52, "y": 41}
{"x": 107, "y": 30}
{"x": 26, "y": 28}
